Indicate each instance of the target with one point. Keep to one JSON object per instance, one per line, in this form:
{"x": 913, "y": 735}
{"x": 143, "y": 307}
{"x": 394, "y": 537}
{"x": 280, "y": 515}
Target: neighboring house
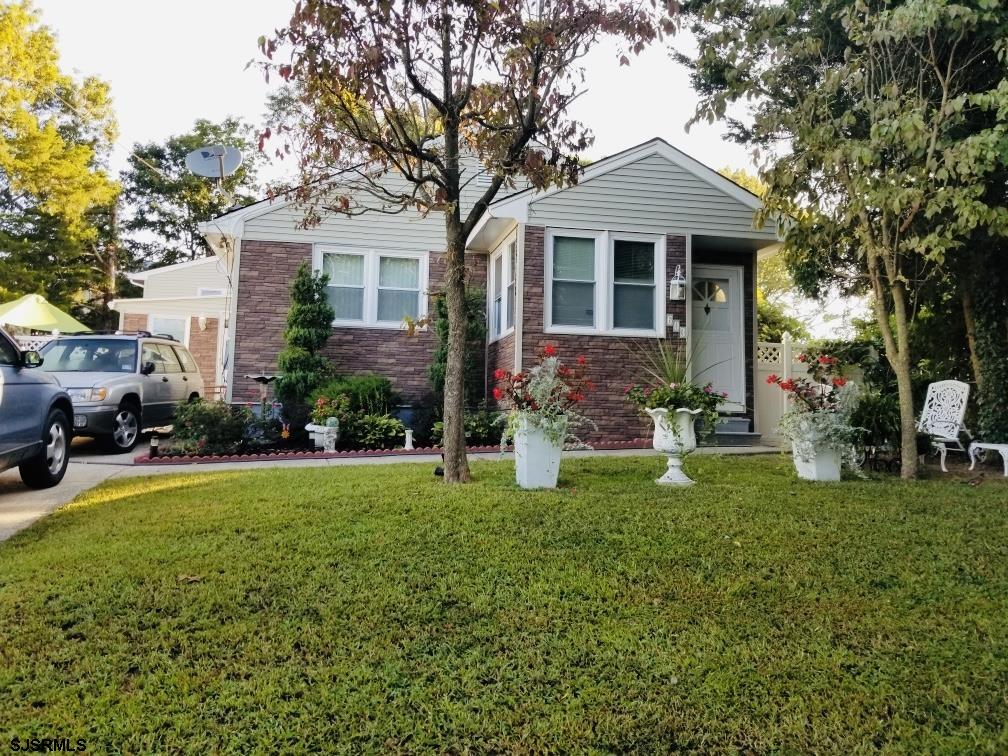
{"x": 188, "y": 301}
{"x": 587, "y": 268}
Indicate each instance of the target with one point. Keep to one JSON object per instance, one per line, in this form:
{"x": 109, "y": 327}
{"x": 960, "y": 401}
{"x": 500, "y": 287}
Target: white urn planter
{"x": 818, "y": 462}
{"x": 674, "y": 436}
{"x": 537, "y": 458}
{"x": 324, "y": 436}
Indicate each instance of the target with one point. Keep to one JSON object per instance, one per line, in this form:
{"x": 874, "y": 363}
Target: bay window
{"x": 373, "y": 288}
{"x": 604, "y": 282}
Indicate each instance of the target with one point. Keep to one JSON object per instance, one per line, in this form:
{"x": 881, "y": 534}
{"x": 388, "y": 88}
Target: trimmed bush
{"x": 370, "y": 394}
{"x": 203, "y": 427}
{"x": 378, "y": 432}
{"x": 309, "y": 324}
{"x": 483, "y": 427}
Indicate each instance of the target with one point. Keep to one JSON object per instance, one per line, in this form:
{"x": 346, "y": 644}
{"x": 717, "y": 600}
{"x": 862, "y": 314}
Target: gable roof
{"x": 655, "y": 146}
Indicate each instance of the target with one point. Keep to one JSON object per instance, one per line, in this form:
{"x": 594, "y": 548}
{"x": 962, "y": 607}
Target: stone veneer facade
{"x": 266, "y": 269}
{"x": 612, "y": 361}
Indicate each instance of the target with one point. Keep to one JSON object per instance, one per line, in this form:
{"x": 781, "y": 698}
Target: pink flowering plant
{"x": 547, "y": 396}
{"x": 667, "y": 384}
{"x": 674, "y": 395}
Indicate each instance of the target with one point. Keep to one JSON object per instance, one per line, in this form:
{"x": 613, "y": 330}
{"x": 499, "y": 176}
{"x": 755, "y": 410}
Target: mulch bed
{"x": 278, "y": 456}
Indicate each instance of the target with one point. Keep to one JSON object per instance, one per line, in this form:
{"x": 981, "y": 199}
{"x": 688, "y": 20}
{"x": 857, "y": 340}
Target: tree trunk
{"x": 456, "y": 464}
{"x": 898, "y": 355}
{"x": 969, "y": 318}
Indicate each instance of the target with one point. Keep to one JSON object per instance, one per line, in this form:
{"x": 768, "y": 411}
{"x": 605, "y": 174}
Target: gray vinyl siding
{"x": 185, "y": 282}
{"x": 407, "y": 230}
{"x": 650, "y": 195}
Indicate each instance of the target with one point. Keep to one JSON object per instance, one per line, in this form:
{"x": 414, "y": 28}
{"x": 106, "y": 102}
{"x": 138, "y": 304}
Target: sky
{"x": 171, "y": 63}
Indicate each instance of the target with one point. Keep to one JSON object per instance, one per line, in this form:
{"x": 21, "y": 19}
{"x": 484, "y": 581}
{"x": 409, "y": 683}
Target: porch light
{"x": 677, "y": 286}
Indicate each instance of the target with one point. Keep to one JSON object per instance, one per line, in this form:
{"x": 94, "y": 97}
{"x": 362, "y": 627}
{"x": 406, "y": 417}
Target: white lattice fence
{"x": 32, "y": 343}
{"x": 782, "y": 360}
{"x": 774, "y": 359}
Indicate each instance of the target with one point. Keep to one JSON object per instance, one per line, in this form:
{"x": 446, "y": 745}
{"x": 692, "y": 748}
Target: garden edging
{"x": 145, "y": 459}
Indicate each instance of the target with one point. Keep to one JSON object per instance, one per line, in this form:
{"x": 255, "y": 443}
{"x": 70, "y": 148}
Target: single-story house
{"x": 188, "y": 301}
{"x": 587, "y": 268}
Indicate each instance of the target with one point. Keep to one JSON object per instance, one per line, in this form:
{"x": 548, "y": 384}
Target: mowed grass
{"x": 374, "y": 608}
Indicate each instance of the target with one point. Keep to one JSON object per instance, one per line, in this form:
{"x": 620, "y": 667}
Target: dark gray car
{"x": 35, "y": 417}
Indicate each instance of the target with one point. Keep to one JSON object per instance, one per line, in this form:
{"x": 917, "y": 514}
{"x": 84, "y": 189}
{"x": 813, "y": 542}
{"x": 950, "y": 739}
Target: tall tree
{"x": 165, "y": 202}
{"x": 393, "y": 96}
{"x": 56, "y": 198}
{"x": 890, "y": 139}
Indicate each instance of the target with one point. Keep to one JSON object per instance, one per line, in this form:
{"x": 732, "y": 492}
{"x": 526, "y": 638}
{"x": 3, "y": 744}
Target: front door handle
{"x": 185, "y": 377}
{"x": 165, "y": 379}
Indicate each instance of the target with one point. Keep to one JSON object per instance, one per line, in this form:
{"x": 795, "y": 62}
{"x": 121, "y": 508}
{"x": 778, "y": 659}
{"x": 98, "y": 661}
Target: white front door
{"x": 718, "y": 343}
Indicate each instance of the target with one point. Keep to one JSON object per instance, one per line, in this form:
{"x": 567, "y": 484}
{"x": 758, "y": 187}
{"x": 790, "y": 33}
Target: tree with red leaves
{"x": 390, "y": 98}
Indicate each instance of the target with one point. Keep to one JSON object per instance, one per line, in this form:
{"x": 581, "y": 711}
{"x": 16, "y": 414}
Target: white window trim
{"x": 371, "y": 263}
{"x": 503, "y": 252}
{"x": 604, "y": 284}
{"x": 186, "y": 318}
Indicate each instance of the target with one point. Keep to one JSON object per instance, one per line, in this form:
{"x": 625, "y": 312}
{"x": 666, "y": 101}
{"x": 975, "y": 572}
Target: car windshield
{"x": 90, "y": 356}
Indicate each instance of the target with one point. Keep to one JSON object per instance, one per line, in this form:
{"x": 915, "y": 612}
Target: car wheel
{"x": 125, "y": 429}
{"x": 48, "y": 468}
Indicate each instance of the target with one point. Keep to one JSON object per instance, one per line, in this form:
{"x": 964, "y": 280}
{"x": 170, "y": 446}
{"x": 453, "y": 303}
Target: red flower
{"x": 581, "y": 359}
{"x": 772, "y": 378}
{"x": 803, "y": 357}
{"x": 788, "y": 385}
{"x": 498, "y": 393}
{"x": 824, "y": 360}
{"x": 549, "y": 350}
{"x": 500, "y": 374}
{"x": 839, "y": 381}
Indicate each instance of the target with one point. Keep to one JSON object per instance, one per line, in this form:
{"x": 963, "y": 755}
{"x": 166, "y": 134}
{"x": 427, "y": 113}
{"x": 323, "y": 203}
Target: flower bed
{"x": 145, "y": 459}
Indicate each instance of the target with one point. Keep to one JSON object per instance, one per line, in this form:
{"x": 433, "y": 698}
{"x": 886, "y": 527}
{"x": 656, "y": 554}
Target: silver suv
{"x": 121, "y": 383}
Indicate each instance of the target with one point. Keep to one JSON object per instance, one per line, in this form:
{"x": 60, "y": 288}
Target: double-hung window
{"x": 501, "y": 288}
{"x": 346, "y": 273}
{"x": 604, "y": 282}
{"x": 573, "y": 278}
{"x": 373, "y": 287}
{"x": 633, "y": 284}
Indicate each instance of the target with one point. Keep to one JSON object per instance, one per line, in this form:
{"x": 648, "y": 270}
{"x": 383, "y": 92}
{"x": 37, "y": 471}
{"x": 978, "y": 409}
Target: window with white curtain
{"x": 398, "y": 288}
{"x": 501, "y": 289}
{"x": 346, "y": 284}
{"x": 373, "y": 287}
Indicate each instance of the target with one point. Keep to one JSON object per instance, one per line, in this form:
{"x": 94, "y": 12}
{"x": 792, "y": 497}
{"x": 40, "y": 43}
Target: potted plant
{"x": 675, "y": 407}
{"x": 674, "y": 403}
{"x": 818, "y": 424}
{"x": 543, "y": 415}
{"x": 325, "y": 419}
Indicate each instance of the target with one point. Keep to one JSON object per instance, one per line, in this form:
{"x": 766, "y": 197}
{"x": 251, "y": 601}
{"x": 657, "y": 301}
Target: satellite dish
{"x": 214, "y": 161}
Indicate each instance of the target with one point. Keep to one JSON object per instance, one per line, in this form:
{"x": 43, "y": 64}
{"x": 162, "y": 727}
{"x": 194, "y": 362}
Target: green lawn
{"x": 373, "y": 608}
